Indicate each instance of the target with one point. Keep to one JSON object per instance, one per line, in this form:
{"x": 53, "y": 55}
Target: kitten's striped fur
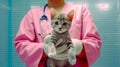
{"x": 61, "y": 24}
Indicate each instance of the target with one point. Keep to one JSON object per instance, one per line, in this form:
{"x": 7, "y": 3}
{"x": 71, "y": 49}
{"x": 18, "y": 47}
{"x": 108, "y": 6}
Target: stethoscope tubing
{"x": 44, "y": 17}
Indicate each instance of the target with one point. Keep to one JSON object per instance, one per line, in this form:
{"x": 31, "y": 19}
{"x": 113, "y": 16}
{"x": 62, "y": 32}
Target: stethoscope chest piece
{"x": 44, "y": 17}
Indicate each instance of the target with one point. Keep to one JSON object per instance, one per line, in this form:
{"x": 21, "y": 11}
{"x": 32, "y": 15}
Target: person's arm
{"x": 26, "y": 46}
{"x": 90, "y": 40}
{"x": 90, "y": 37}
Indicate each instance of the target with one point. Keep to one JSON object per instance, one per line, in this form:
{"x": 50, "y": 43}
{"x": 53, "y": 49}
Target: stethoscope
{"x": 44, "y": 17}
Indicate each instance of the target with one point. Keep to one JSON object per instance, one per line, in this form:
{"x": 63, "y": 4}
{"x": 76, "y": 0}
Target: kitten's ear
{"x": 52, "y": 13}
{"x": 70, "y": 15}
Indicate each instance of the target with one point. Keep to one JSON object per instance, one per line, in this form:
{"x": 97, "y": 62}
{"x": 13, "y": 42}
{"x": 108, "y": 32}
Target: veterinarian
{"x": 35, "y": 26}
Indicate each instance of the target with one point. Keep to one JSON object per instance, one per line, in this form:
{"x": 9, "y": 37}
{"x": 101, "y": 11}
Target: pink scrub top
{"x": 29, "y": 44}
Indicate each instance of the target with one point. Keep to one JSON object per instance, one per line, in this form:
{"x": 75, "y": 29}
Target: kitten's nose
{"x": 60, "y": 28}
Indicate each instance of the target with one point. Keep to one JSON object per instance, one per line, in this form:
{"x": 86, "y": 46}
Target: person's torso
{"x": 44, "y": 27}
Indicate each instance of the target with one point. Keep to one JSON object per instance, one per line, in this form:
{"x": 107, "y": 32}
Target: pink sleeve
{"x": 27, "y": 47}
{"x": 90, "y": 37}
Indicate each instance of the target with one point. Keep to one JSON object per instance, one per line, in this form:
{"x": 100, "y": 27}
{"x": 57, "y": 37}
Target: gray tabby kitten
{"x": 60, "y": 37}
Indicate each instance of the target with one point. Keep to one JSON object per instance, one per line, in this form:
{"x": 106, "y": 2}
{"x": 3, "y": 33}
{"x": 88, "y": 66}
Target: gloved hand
{"x": 76, "y": 44}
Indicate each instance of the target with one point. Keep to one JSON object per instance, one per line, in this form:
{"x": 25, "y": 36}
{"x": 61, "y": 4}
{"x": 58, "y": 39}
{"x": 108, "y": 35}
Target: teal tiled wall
{"x": 3, "y": 33}
{"x": 106, "y": 18}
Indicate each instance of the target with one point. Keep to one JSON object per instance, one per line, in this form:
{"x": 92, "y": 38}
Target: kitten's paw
{"x": 51, "y": 51}
{"x": 71, "y": 56}
{"x": 51, "y": 54}
{"x": 72, "y": 60}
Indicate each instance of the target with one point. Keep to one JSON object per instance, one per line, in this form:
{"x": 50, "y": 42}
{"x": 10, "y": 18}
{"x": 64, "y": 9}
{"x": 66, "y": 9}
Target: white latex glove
{"x": 76, "y": 43}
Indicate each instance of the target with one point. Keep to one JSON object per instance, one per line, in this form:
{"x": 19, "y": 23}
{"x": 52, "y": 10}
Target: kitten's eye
{"x": 64, "y": 23}
{"x": 56, "y": 23}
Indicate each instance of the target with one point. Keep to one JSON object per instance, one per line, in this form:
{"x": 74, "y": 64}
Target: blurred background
{"x": 106, "y": 15}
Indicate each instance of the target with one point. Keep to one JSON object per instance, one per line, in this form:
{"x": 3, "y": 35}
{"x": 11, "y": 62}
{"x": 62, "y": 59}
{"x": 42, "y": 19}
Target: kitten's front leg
{"x": 71, "y": 55}
{"x": 51, "y": 50}
{"x": 50, "y": 62}
{"x": 58, "y": 42}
